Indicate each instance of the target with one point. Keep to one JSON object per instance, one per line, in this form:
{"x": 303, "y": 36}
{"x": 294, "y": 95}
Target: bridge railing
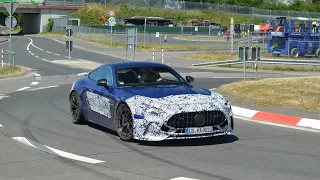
{"x": 183, "y": 5}
{"x": 75, "y": 3}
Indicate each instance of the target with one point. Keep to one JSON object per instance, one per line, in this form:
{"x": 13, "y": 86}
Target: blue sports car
{"x": 149, "y": 101}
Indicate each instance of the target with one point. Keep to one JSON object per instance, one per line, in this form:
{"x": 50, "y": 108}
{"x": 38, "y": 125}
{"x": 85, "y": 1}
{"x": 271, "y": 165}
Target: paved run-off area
{"x": 257, "y": 151}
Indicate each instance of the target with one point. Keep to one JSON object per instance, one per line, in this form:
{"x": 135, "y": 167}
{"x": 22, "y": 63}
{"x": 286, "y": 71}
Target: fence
{"x": 186, "y": 5}
{"x": 162, "y": 40}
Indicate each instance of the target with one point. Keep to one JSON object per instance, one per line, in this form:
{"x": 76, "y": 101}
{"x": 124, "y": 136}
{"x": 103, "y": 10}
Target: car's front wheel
{"x": 76, "y": 109}
{"x": 124, "y": 123}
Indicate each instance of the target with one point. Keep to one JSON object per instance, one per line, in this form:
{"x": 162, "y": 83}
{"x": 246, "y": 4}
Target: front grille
{"x": 189, "y": 119}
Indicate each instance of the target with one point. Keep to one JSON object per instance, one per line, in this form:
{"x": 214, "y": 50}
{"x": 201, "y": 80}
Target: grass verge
{"x": 217, "y": 56}
{"x": 276, "y": 68}
{"x": 211, "y": 56}
{"x": 11, "y": 70}
{"x": 195, "y": 38}
{"x": 51, "y": 33}
{"x": 298, "y": 93}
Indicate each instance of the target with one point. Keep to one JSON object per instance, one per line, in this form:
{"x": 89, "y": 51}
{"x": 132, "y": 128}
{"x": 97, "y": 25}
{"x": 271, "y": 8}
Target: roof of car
{"x": 121, "y": 65}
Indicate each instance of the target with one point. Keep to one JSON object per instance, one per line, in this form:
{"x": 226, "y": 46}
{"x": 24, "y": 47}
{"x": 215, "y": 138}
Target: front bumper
{"x": 156, "y": 131}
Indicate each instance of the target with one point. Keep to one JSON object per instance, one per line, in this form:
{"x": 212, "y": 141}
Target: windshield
{"x": 142, "y": 76}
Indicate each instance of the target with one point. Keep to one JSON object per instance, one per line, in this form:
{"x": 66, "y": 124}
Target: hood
{"x": 164, "y": 91}
{"x": 167, "y": 100}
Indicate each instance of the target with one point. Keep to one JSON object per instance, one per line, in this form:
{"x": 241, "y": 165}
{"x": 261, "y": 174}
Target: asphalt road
{"x": 174, "y": 39}
{"x": 257, "y": 151}
{"x": 38, "y": 113}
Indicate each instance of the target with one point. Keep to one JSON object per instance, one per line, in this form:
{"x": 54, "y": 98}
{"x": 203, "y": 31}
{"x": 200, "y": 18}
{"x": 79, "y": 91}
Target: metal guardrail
{"x": 253, "y": 55}
{"x": 262, "y": 61}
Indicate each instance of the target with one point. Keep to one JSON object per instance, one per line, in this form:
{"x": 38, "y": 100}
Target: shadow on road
{"x": 179, "y": 142}
{"x": 193, "y": 142}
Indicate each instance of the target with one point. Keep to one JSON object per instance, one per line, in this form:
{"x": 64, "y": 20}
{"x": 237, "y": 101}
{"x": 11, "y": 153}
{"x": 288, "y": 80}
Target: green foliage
{"x": 296, "y": 5}
{"x": 91, "y": 15}
{"x": 50, "y": 25}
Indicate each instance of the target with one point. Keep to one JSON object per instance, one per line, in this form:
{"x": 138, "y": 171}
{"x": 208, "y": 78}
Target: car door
{"x": 100, "y": 99}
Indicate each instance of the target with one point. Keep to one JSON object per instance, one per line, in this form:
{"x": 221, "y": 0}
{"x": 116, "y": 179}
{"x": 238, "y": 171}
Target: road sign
{"x": 11, "y": 7}
{"x": 157, "y": 34}
{"x": 195, "y": 28}
{"x": 112, "y": 21}
{"x": 131, "y": 42}
{"x": 69, "y": 32}
{"x": 69, "y": 45}
{"x": 14, "y": 22}
{"x": 111, "y": 13}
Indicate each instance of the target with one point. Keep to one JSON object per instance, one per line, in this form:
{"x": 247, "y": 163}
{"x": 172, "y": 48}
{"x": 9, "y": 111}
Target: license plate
{"x": 200, "y": 130}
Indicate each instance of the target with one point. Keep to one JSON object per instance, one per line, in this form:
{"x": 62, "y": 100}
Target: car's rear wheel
{"x": 124, "y": 123}
{"x": 76, "y": 109}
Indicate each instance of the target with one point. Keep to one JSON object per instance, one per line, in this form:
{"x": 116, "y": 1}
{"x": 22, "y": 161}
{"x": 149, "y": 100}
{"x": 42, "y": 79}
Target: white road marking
{"x": 183, "y": 178}
{"x": 49, "y": 52}
{"x": 212, "y": 89}
{"x": 74, "y": 156}
{"x": 82, "y": 74}
{"x": 1, "y": 125}
{"x": 37, "y": 56}
{"x": 52, "y": 150}
{"x": 3, "y": 96}
{"x": 34, "y": 83}
{"x": 28, "y": 47}
{"x": 25, "y": 141}
{"x": 56, "y": 54}
{"x": 43, "y": 59}
{"x": 47, "y": 87}
{"x": 22, "y": 89}
{"x": 37, "y": 47}
{"x": 219, "y": 77}
{"x": 32, "y": 54}
{"x": 37, "y": 75}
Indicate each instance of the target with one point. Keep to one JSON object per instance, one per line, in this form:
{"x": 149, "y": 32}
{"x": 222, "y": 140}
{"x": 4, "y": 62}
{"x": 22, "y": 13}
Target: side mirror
{"x": 189, "y": 79}
{"x": 102, "y": 82}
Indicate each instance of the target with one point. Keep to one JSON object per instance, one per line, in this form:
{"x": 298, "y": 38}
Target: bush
{"x": 91, "y": 14}
{"x": 50, "y": 25}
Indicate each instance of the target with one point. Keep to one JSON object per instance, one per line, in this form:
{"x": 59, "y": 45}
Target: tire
{"x": 294, "y": 53}
{"x": 275, "y": 55}
{"x": 317, "y": 53}
{"x": 76, "y": 109}
{"x": 124, "y": 118}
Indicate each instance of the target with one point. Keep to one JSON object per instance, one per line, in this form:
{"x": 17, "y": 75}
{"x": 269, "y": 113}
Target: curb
{"x": 3, "y": 40}
{"x": 276, "y": 118}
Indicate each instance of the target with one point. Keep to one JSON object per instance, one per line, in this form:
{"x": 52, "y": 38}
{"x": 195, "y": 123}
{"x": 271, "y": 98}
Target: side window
{"x": 93, "y": 75}
{"x": 105, "y": 73}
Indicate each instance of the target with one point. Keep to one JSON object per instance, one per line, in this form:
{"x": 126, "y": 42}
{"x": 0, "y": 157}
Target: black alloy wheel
{"x": 124, "y": 123}
{"x": 76, "y": 109}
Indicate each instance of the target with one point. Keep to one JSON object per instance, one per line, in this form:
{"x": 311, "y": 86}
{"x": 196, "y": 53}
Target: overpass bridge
{"x": 35, "y": 16}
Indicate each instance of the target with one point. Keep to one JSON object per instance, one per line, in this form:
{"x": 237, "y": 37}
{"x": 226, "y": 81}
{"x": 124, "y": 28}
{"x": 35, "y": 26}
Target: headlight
{"x": 227, "y": 103}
